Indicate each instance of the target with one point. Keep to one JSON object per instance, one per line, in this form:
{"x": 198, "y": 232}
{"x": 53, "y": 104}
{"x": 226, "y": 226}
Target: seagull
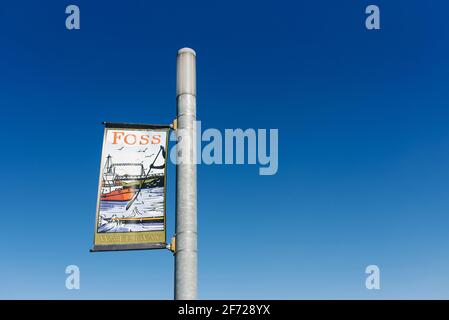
{"x": 149, "y": 156}
{"x": 143, "y": 150}
{"x": 120, "y": 148}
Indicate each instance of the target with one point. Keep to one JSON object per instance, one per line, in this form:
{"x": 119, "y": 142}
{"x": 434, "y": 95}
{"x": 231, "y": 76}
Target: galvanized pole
{"x": 186, "y": 221}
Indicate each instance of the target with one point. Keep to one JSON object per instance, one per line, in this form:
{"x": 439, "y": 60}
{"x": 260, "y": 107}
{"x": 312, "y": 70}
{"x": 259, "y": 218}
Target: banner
{"x": 131, "y": 191}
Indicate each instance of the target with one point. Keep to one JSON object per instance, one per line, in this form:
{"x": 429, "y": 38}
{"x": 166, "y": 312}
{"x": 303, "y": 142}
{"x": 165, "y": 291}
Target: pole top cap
{"x": 187, "y": 50}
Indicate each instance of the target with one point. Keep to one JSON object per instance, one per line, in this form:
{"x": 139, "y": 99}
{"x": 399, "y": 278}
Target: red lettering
{"x": 116, "y": 136}
{"x": 156, "y": 139}
{"x": 144, "y": 139}
{"x": 130, "y": 135}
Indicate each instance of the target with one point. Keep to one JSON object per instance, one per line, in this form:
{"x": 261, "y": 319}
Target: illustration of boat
{"x": 111, "y": 188}
{"x": 140, "y": 180}
{"x": 116, "y": 187}
{"x": 118, "y": 193}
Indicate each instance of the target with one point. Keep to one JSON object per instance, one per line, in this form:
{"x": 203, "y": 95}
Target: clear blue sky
{"x": 363, "y": 145}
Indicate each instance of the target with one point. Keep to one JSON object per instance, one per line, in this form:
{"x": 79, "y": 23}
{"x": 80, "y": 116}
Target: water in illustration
{"x": 145, "y": 214}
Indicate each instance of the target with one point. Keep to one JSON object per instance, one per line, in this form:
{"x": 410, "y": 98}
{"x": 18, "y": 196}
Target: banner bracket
{"x": 174, "y": 124}
{"x": 172, "y": 246}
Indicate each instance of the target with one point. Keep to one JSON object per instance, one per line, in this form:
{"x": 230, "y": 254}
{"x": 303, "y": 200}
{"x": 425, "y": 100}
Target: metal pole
{"x": 186, "y": 221}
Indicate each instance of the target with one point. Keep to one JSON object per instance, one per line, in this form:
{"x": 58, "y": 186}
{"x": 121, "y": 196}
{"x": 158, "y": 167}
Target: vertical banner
{"x": 132, "y": 191}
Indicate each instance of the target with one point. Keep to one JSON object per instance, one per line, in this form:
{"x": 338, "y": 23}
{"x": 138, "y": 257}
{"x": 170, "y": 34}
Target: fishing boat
{"x": 117, "y": 193}
{"x": 110, "y": 189}
{"x": 126, "y": 187}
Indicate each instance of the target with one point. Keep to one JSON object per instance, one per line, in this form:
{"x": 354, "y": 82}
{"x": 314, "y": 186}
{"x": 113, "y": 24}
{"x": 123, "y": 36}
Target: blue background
{"x": 363, "y": 145}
